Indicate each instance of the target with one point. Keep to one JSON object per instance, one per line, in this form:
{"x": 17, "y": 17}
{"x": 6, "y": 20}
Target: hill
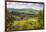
{"x": 22, "y": 12}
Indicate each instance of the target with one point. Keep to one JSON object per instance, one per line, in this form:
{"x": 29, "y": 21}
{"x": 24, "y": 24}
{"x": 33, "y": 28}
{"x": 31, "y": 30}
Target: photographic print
{"x": 24, "y": 16}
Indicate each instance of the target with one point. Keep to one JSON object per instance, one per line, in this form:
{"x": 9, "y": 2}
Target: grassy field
{"x": 27, "y": 24}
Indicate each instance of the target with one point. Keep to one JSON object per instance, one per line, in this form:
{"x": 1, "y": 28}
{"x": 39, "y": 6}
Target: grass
{"x": 30, "y": 23}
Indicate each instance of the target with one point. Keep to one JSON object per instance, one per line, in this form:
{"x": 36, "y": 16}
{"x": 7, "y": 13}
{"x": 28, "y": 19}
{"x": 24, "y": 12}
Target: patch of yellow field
{"x": 23, "y": 22}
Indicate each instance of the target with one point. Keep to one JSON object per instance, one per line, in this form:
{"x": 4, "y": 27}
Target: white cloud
{"x": 17, "y": 5}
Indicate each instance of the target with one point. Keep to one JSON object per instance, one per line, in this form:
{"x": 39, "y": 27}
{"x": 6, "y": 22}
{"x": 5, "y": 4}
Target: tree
{"x": 9, "y": 21}
{"x": 40, "y": 18}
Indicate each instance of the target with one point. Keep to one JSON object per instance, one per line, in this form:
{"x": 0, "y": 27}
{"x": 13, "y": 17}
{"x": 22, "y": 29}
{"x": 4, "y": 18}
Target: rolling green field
{"x": 27, "y": 24}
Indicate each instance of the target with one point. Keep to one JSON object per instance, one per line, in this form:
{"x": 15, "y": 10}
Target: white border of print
{"x": 2, "y": 16}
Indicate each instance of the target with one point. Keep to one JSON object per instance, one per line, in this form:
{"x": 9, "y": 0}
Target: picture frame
{"x": 6, "y": 13}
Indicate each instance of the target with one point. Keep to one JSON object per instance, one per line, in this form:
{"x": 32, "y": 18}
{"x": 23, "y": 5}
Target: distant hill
{"x": 22, "y": 12}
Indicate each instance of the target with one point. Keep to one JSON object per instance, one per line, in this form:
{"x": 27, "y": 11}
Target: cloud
{"x": 17, "y": 5}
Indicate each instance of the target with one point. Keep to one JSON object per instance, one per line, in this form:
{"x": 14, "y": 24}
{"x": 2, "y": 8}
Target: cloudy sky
{"x": 19, "y": 5}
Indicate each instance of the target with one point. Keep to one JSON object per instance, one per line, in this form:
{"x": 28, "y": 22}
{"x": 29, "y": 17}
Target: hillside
{"x": 22, "y": 11}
